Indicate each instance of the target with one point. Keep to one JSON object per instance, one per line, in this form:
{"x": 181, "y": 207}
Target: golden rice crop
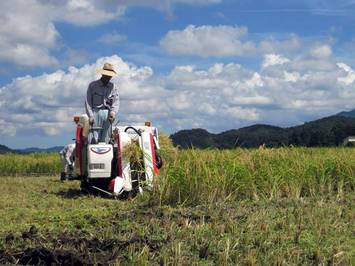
{"x": 29, "y": 164}
{"x": 205, "y": 176}
{"x": 208, "y": 176}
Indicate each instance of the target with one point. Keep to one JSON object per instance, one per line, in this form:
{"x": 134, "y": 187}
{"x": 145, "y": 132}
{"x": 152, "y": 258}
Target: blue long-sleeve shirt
{"x": 100, "y": 96}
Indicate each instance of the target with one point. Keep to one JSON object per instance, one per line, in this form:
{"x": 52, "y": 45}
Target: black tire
{"x": 62, "y": 176}
{"x": 159, "y": 161}
{"x": 85, "y": 187}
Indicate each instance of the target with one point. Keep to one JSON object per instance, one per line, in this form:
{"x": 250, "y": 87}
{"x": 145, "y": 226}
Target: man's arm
{"x": 67, "y": 158}
{"x": 115, "y": 103}
{"x": 88, "y": 103}
{"x": 69, "y": 154}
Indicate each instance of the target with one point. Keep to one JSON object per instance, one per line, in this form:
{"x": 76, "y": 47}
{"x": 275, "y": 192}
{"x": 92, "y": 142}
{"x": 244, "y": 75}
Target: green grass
{"x": 289, "y": 206}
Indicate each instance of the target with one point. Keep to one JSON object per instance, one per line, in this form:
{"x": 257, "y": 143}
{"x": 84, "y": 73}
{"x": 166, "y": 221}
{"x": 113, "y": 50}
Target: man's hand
{"x": 111, "y": 118}
{"x": 91, "y": 121}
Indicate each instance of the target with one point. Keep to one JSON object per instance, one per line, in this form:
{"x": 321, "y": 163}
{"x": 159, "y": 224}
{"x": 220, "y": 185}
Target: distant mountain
{"x": 329, "y": 131}
{"x": 33, "y": 149}
{"x": 4, "y": 149}
{"x": 252, "y": 136}
{"x": 347, "y": 114}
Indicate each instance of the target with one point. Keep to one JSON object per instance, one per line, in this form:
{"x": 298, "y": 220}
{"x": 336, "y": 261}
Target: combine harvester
{"x": 107, "y": 167}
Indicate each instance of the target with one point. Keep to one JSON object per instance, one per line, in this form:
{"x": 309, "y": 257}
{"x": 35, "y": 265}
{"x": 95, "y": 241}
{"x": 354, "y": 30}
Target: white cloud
{"x": 272, "y": 45}
{"x": 222, "y": 40}
{"x": 27, "y": 33}
{"x": 26, "y": 55}
{"x": 245, "y": 114}
{"x": 274, "y": 59}
{"x": 48, "y": 102}
{"x": 75, "y": 57}
{"x": 208, "y": 41}
{"x": 27, "y": 27}
{"x": 112, "y": 38}
{"x": 84, "y": 12}
{"x": 345, "y": 67}
{"x": 6, "y": 128}
{"x": 322, "y": 51}
{"x": 292, "y": 76}
{"x": 304, "y": 64}
{"x": 255, "y": 81}
{"x": 229, "y": 96}
{"x": 93, "y": 12}
{"x": 221, "y": 97}
{"x": 350, "y": 77}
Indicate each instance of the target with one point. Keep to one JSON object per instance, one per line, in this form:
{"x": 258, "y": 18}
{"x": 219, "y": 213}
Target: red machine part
{"x": 111, "y": 185}
{"x": 79, "y": 147}
{"x": 152, "y": 146}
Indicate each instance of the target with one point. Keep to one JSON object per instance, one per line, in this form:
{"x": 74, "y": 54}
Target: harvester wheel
{"x": 62, "y": 176}
{"x": 85, "y": 187}
{"x": 159, "y": 161}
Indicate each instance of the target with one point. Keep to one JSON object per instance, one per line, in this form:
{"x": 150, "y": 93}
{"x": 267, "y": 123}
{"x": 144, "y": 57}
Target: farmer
{"x": 102, "y": 104}
{"x": 67, "y": 160}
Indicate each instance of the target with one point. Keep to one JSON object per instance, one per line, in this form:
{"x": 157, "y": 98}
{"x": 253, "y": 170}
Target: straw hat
{"x": 107, "y": 70}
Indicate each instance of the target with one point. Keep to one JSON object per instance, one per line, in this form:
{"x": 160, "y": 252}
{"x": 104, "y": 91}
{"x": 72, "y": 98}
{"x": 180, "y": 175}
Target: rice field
{"x": 205, "y": 176}
{"x": 29, "y": 164}
{"x": 202, "y": 177}
{"x": 287, "y": 206}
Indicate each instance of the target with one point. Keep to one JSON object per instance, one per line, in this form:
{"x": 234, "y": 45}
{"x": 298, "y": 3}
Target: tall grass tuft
{"x": 208, "y": 176}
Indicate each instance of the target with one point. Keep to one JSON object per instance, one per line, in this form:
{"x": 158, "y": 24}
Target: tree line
{"x": 329, "y": 131}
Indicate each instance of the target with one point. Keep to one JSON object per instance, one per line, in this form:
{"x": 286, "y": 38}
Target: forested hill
{"x": 4, "y": 149}
{"x": 329, "y": 131}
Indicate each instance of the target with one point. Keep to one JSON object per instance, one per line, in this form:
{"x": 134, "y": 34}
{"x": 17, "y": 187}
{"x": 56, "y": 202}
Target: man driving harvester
{"x": 102, "y": 104}
{"x": 100, "y": 161}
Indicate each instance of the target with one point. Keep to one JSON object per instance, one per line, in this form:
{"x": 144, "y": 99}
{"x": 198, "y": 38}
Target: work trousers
{"x": 65, "y": 165}
{"x": 102, "y": 134}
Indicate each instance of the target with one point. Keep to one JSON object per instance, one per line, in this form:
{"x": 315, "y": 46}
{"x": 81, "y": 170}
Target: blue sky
{"x": 215, "y": 64}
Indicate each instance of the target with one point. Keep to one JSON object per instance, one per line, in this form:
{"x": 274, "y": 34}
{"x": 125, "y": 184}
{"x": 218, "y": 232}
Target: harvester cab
{"x": 126, "y": 164}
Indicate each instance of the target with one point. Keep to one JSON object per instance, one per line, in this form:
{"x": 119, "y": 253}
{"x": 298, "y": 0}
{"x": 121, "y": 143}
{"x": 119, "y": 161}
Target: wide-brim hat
{"x": 107, "y": 70}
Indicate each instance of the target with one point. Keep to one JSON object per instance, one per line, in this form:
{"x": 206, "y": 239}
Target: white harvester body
{"x": 109, "y": 162}
{"x": 99, "y": 160}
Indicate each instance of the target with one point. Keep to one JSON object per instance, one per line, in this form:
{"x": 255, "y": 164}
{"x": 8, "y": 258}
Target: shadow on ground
{"x": 71, "y": 193}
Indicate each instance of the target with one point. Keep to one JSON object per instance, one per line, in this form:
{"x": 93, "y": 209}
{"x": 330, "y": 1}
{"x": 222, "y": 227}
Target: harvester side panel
{"x": 146, "y": 143}
{"x": 123, "y": 181}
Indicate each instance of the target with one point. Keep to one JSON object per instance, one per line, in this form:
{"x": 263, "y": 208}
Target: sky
{"x": 182, "y": 64}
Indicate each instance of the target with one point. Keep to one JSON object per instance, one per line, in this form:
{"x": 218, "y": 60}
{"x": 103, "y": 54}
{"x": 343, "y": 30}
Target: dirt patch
{"x": 72, "y": 250}
{"x": 42, "y": 256}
